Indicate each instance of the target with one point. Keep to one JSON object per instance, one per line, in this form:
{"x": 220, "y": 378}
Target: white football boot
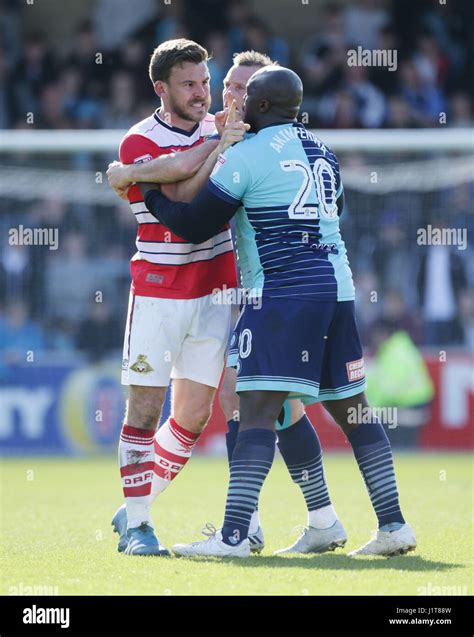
{"x": 389, "y": 543}
{"x": 214, "y": 546}
{"x": 257, "y": 541}
{"x": 314, "y": 540}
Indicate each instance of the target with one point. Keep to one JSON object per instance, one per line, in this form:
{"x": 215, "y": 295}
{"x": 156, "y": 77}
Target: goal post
{"x": 72, "y": 164}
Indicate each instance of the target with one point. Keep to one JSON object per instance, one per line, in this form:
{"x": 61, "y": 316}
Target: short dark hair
{"x": 252, "y": 58}
{"x": 173, "y": 52}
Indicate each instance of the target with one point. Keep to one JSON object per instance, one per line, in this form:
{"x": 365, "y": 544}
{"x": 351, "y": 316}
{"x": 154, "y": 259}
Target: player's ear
{"x": 264, "y": 106}
{"x": 160, "y": 88}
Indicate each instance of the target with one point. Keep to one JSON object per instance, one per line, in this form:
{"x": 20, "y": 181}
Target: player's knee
{"x": 338, "y": 415}
{"x": 257, "y": 423}
{"x": 193, "y": 417}
{"x": 346, "y": 412}
{"x": 200, "y": 418}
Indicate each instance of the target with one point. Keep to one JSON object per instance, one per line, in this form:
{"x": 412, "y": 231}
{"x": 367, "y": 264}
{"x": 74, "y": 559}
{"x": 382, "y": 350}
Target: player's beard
{"x": 186, "y": 112}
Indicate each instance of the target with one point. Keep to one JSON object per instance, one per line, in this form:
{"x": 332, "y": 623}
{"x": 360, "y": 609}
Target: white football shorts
{"x": 175, "y": 338}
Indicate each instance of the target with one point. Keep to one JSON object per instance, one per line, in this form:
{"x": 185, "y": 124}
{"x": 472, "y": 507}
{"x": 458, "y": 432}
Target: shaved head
{"x": 274, "y": 95}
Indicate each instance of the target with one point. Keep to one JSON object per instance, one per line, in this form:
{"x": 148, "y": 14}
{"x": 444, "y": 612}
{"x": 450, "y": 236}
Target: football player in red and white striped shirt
{"x": 174, "y": 330}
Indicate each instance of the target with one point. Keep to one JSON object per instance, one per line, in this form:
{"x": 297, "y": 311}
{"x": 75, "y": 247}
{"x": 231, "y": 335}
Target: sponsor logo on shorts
{"x": 142, "y": 366}
{"x": 142, "y": 159}
{"x": 125, "y": 364}
{"x": 154, "y": 278}
{"x": 355, "y": 370}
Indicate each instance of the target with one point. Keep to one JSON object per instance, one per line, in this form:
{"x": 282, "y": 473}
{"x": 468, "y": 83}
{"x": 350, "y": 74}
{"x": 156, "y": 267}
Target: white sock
{"x": 173, "y": 447}
{"x": 135, "y": 455}
{"x": 254, "y": 522}
{"x": 322, "y": 518}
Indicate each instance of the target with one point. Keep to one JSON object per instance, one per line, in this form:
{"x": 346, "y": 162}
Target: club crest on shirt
{"x": 141, "y": 365}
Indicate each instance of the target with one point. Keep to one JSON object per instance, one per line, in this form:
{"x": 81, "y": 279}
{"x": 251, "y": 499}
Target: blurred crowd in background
{"x": 72, "y": 88}
{"x": 75, "y": 298}
{"x": 49, "y": 300}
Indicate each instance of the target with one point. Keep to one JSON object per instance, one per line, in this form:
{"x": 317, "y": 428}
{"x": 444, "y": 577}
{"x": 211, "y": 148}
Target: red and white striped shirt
{"x": 167, "y": 266}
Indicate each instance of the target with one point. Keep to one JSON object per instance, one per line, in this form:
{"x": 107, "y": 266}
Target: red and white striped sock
{"x": 173, "y": 448}
{"x": 136, "y": 469}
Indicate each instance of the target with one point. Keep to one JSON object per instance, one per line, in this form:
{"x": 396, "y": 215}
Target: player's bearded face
{"x": 188, "y": 92}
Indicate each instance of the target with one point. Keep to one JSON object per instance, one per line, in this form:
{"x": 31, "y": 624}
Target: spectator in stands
{"x": 430, "y": 61}
{"x": 219, "y": 64}
{"x": 133, "y": 58}
{"x": 425, "y": 100}
{"x": 121, "y": 110}
{"x": 395, "y": 312}
{"x": 59, "y": 336}
{"x": 345, "y": 111}
{"x": 256, "y": 36}
{"x": 74, "y": 89}
{"x": 53, "y": 113}
{"x": 441, "y": 281}
{"x": 398, "y": 377}
{"x": 71, "y": 279}
{"x": 392, "y": 260}
{"x": 20, "y": 277}
{"x": 449, "y": 23}
{"x": 99, "y": 334}
{"x": 370, "y": 100}
{"x": 10, "y": 33}
{"x": 363, "y": 20}
{"x": 384, "y": 78}
{"x": 111, "y": 31}
{"x": 399, "y": 114}
{"x": 172, "y": 24}
{"x": 367, "y": 305}
{"x": 237, "y": 13}
{"x": 36, "y": 69}
{"x": 94, "y": 70}
{"x": 323, "y": 57}
{"x": 83, "y": 108}
{"x": 459, "y": 111}
{"x": 19, "y": 335}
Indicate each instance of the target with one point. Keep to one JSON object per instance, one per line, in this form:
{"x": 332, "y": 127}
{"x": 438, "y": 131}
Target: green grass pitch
{"x": 55, "y": 531}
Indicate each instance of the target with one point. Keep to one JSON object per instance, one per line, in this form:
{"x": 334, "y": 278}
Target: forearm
{"x": 187, "y": 189}
{"x": 197, "y": 221}
{"x": 171, "y": 168}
